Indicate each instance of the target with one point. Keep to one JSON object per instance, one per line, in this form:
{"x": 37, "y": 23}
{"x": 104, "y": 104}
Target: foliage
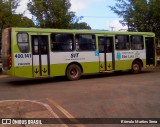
{"x": 52, "y": 13}
{"x": 55, "y": 14}
{"x": 82, "y": 25}
{"x": 19, "y": 20}
{"x": 139, "y": 15}
{"x": 8, "y": 18}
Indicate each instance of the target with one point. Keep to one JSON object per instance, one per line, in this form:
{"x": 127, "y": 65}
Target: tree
{"x": 19, "y": 20}
{"x": 8, "y": 18}
{"x": 82, "y": 25}
{"x": 7, "y": 8}
{"x": 52, "y": 13}
{"x": 139, "y": 15}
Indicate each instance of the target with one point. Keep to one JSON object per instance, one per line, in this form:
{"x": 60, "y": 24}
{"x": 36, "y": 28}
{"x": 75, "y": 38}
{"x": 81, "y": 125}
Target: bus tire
{"x": 73, "y": 72}
{"x": 136, "y": 67}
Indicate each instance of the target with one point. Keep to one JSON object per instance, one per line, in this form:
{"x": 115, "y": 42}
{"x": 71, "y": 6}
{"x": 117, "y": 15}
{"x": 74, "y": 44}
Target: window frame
{"x": 23, "y": 42}
{"x": 128, "y": 39}
{"x": 52, "y": 42}
{"x": 138, "y": 43}
{"x": 106, "y": 48}
{"x": 77, "y": 43}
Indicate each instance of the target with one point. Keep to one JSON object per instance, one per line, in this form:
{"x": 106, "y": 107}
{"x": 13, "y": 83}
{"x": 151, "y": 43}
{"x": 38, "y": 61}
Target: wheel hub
{"x": 73, "y": 72}
{"x": 136, "y": 67}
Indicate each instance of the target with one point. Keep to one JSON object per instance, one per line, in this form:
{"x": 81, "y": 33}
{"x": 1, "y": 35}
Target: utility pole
{"x": 112, "y": 28}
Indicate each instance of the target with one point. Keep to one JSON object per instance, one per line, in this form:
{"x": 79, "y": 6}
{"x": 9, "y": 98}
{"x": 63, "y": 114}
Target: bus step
{"x": 106, "y": 71}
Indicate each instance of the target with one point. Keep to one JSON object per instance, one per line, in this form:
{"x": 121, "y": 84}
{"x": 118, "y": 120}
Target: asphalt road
{"x": 117, "y": 95}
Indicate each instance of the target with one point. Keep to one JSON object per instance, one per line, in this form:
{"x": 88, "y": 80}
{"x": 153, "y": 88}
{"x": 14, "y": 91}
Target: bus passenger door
{"x": 40, "y": 53}
{"x": 150, "y": 51}
{"x": 106, "y": 53}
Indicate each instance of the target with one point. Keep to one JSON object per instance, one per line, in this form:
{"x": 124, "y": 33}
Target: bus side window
{"x": 62, "y": 42}
{"x": 85, "y": 42}
{"x": 137, "y": 42}
{"x": 122, "y": 42}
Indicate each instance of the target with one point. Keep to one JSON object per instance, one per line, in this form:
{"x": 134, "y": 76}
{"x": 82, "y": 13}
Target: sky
{"x": 96, "y": 13}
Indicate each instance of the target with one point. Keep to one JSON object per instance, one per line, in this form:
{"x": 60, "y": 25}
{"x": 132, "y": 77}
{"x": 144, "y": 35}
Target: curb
{"x": 31, "y": 109}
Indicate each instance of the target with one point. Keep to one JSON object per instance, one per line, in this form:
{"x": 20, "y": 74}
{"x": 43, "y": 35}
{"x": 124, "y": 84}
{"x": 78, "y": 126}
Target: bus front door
{"x": 40, "y": 57}
{"x": 106, "y": 53}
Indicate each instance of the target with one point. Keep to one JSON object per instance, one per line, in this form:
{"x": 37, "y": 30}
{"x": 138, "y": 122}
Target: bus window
{"x": 23, "y": 42}
{"x": 43, "y": 43}
{"x": 85, "y": 42}
{"x": 35, "y": 46}
{"x": 109, "y": 45}
{"x": 137, "y": 42}
{"x": 122, "y": 42}
{"x": 105, "y": 44}
{"x": 62, "y": 42}
{"x": 101, "y": 41}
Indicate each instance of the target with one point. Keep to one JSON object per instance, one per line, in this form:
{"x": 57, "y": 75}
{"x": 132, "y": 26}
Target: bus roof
{"x": 50, "y": 30}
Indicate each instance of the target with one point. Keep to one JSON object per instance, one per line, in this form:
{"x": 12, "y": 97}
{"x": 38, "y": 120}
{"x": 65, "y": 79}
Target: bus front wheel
{"x": 136, "y": 67}
{"x": 73, "y": 72}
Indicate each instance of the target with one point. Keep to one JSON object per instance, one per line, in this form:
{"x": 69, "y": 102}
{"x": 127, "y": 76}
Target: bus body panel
{"x": 22, "y": 62}
{"x": 59, "y": 62}
{"x": 124, "y": 59}
{"x": 88, "y": 68}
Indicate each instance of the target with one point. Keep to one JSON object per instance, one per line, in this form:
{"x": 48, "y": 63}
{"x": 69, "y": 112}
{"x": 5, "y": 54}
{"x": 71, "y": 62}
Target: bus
{"x": 37, "y": 52}
{"x": 158, "y": 51}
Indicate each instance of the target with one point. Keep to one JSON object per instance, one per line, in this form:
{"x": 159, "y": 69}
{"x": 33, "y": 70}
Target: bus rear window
{"x": 23, "y": 42}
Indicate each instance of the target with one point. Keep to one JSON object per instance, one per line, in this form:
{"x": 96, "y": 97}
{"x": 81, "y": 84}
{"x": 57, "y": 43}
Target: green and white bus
{"x": 36, "y": 52}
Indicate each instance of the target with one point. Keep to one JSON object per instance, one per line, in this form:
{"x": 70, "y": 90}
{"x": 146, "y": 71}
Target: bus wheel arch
{"x": 136, "y": 66}
{"x": 74, "y": 71}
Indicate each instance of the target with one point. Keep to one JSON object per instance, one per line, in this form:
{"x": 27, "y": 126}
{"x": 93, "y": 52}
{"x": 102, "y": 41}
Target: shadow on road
{"x": 37, "y": 81}
{"x": 116, "y": 73}
{"x": 54, "y": 80}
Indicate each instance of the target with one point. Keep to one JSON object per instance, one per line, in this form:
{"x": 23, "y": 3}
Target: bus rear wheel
{"x": 73, "y": 72}
{"x": 136, "y": 67}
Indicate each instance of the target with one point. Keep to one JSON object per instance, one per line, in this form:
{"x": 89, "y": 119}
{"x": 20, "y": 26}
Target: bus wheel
{"x": 73, "y": 72}
{"x": 136, "y": 67}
